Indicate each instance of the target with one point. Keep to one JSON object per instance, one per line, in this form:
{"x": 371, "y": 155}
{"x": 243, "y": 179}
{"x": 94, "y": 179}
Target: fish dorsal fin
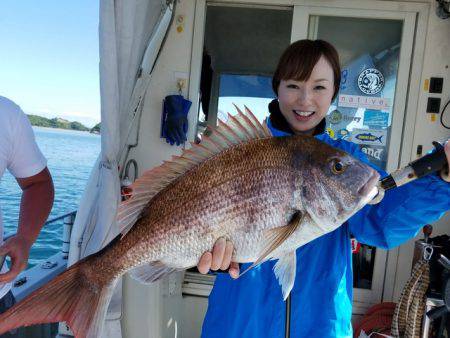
{"x": 276, "y": 237}
{"x": 237, "y": 130}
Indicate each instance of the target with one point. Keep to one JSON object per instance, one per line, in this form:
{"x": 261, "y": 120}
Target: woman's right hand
{"x": 219, "y": 258}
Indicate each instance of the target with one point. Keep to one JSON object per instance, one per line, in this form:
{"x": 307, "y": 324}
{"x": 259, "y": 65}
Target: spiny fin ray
{"x": 239, "y": 129}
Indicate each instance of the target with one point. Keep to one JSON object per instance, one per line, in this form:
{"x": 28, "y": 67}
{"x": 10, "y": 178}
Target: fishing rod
{"x": 430, "y": 163}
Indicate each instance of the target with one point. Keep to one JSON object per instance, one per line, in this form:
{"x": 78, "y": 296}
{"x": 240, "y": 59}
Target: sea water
{"x": 71, "y": 156}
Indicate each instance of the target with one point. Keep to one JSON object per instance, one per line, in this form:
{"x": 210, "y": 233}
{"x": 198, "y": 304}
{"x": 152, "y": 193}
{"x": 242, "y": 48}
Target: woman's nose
{"x": 304, "y": 95}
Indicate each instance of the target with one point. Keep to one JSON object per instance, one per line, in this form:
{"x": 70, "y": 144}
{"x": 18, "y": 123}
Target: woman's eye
{"x": 292, "y": 86}
{"x": 319, "y": 87}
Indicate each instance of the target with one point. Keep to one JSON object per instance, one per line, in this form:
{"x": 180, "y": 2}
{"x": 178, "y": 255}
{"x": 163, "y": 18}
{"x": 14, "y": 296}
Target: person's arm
{"x": 403, "y": 211}
{"x": 35, "y": 206}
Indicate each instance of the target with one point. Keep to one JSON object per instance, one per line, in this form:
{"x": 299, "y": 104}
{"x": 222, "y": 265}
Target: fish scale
{"x": 214, "y": 197}
{"x": 267, "y": 195}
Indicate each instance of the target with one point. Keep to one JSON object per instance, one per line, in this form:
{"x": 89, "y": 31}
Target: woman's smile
{"x": 303, "y": 115}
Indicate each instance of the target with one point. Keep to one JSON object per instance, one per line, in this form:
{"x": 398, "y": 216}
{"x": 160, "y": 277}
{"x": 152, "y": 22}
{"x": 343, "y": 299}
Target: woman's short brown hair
{"x": 299, "y": 59}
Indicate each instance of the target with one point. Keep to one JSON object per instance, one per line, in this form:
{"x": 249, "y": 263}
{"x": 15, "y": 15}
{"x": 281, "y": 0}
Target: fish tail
{"x": 70, "y": 297}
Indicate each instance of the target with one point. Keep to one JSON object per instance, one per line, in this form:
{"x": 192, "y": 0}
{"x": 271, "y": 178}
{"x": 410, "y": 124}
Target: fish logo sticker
{"x": 371, "y": 81}
{"x": 369, "y": 137}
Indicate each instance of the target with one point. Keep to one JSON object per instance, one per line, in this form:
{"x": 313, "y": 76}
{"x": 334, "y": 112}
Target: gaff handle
{"x": 432, "y": 162}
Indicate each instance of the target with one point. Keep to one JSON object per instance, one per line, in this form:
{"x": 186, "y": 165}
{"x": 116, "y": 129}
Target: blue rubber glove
{"x": 175, "y": 123}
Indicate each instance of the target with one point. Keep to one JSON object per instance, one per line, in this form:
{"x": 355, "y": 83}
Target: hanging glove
{"x": 175, "y": 123}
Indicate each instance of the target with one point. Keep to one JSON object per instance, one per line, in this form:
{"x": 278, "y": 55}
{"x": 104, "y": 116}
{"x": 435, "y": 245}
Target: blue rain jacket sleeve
{"x": 402, "y": 212}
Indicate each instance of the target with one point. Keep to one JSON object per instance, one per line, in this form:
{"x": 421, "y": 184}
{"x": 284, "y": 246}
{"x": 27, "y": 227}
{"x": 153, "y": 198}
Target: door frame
{"x": 389, "y": 265}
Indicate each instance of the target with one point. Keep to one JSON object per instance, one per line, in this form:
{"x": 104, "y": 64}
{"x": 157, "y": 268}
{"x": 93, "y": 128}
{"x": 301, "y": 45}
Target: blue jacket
{"x": 321, "y": 299}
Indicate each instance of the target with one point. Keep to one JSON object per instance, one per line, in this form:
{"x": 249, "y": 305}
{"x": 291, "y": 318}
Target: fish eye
{"x": 337, "y": 167}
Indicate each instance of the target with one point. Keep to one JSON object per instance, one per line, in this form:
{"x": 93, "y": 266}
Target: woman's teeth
{"x": 303, "y": 113}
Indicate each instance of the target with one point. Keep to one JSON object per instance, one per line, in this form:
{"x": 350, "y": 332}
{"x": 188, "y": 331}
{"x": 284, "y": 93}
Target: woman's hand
{"x": 220, "y": 258}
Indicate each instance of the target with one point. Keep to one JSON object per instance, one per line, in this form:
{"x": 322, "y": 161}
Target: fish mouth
{"x": 369, "y": 190}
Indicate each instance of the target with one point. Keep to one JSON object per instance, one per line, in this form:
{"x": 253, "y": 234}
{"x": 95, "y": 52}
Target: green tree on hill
{"x": 56, "y": 123}
{"x": 96, "y": 129}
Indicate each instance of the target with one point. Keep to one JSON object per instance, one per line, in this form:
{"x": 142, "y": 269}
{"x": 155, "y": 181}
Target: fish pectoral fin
{"x": 284, "y": 270}
{"x": 276, "y": 237}
{"x": 149, "y": 273}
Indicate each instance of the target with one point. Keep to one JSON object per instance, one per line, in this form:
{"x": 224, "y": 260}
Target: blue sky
{"x": 49, "y": 57}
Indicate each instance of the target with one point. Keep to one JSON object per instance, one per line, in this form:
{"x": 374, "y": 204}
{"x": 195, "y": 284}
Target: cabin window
{"x": 253, "y": 91}
{"x": 240, "y": 53}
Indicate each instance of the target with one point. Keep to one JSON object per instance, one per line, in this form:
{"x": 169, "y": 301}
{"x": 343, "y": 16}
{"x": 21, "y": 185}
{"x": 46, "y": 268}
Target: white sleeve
{"x": 25, "y": 159}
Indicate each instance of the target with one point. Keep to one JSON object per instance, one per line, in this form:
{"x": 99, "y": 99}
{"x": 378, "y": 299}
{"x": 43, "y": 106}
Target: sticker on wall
{"x": 376, "y": 119}
{"x": 335, "y": 117}
{"x": 369, "y": 136}
{"x": 330, "y": 132}
{"x": 368, "y": 102}
{"x": 376, "y": 155}
{"x": 344, "y": 76}
{"x": 371, "y": 81}
{"x": 343, "y": 134}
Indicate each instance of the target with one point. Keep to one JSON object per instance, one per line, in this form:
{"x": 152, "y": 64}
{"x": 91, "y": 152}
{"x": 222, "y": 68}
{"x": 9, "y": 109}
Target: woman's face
{"x": 305, "y": 103}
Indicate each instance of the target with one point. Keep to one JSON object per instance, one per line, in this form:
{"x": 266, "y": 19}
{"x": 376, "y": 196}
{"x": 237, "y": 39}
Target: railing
{"x": 69, "y": 218}
{"x": 36, "y": 276}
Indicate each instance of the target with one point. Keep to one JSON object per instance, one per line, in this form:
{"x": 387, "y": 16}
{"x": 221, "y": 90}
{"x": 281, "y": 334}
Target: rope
{"x": 408, "y": 314}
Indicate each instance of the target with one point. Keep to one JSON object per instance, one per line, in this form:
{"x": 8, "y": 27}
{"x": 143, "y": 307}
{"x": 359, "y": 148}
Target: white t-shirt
{"x": 19, "y": 153}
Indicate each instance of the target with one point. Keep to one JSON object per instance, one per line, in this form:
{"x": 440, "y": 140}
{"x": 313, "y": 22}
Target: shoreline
{"x": 64, "y": 129}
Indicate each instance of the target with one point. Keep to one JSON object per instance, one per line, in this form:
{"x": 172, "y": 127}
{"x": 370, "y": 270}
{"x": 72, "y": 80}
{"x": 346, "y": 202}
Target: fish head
{"x": 334, "y": 185}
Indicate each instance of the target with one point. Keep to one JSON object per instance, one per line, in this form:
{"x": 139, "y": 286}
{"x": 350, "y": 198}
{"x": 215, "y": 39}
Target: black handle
{"x": 431, "y": 162}
{"x": 437, "y": 312}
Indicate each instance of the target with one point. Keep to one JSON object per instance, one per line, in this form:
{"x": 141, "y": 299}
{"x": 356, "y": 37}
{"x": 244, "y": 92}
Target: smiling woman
{"x": 305, "y": 90}
{"x": 306, "y": 81}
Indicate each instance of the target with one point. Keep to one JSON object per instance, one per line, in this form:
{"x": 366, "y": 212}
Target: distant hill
{"x": 56, "y": 122}
{"x": 96, "y": 128}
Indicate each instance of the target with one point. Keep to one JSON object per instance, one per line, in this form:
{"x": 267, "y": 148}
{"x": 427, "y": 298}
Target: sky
{"x": 49, "y": 57}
